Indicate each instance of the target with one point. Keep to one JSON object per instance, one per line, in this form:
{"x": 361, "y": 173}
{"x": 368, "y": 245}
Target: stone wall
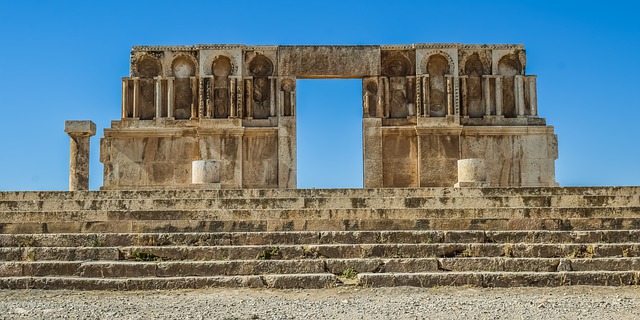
{"x": 425, "y": 106}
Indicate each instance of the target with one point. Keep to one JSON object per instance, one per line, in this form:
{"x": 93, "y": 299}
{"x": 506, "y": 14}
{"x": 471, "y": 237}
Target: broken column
{"x": 80, "y": 132}
{"x": 205, "y": 172}
{"x": 471, "y": 173}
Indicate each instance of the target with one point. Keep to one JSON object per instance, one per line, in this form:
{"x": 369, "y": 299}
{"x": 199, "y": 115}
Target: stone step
{"x": 164, "y": 226}
{"x": 500, "y": 279}
{"x": 329, "y": 251}
{"x": 133, "y": 269}
{"x": 401, "y": 202}
{"x": 313, "y": 237}
{"x": 310, "y": 193}
{"x": 276, "y": 281}
{"x": 341, "y": 267}
{"x": 321, "y": 214}
{"x": 324, "y": 280}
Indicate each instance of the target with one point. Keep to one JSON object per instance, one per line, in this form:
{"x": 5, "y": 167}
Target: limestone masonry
{"x": 232, "y": 108}
{"x": 200, "y": 182}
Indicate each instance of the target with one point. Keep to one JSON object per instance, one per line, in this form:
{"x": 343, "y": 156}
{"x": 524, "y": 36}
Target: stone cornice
{"x": 506, "y": 130}
{"x": 382, "y": 47}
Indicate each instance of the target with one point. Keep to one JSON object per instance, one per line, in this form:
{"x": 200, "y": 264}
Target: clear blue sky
{"x": 64, "y": 60}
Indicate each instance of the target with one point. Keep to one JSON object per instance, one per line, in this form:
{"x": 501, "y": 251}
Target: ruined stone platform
{"x": 308, "y": 238}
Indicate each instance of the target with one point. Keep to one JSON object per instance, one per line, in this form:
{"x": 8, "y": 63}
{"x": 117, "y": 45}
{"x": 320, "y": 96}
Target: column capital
{"x": 80, "y": 128}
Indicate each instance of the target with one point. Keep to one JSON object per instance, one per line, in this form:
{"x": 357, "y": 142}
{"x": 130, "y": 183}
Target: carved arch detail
{"x": 483, "y": 55}
{"x": 147, "y": 66}
{"x": 192, "y": 64}
{"x": 210, "y": 60}
{"x": 428, "y": 55}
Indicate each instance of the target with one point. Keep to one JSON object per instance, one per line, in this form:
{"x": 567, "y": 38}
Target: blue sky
{"x": 64, "y": 60}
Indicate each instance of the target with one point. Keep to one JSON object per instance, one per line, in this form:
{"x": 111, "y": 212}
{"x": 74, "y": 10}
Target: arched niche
{"x": 183, "y": 68}
{"x": 509, "y": 66}
{"x": 397, "y": 68}
{"x": 261, "y": 68}
{"x": 437, "y": 67}
{"x": 370, "y": 97}
{"x": 147, "y": 68}
{"x": 221, "y": 69}
{"x": 474, "y": 69}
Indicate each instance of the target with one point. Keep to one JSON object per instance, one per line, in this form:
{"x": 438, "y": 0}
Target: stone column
{"x": 232, "y": 98}
{"x": 471, "y": 173}
{"x": 248, "y": 112}
{"x": 136, "y": 99}
{"x": 205, "y": 172}
{"x": 533, "y": 96}
{"x": 125, "y": 95}
{"x": 519, "y": 92}
{"x": 464, "y": 110}
{"x": 194, "y": 97}
{"x": 170, "y": 98}
{"x": 158, "y": 97}
{"x": 80, "y": 133}
{"x": 237, "y": 113}
{"x": 450, "y": 107}
{"x": 272, "y": 96}
{"x": 486, "y": 92}
{"x": 498, "y": 96}
{"x": 426, "y": 108}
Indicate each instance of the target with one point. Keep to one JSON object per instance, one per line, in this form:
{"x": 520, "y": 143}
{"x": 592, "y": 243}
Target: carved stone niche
{"x": 183, "y": 69}
{"x": 147, "y": 67}
{"x": 260, "y": 98}
{"x": 509, "y": 66}
{"x": 437, "y": 68}
{"x": 371, "y": 97}
{"x": 288, "y": 87}
{"x": 220, "y": 96}
{"x": 398, "y": 83}
{"x": 474, "y": 64}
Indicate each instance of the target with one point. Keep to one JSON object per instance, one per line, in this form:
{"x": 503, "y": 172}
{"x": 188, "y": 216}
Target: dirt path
{"x": 576, "y": 302}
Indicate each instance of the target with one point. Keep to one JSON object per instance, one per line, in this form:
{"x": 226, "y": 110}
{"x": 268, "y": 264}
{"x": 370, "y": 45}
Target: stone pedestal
{"x": 80, "y": 132}
{"x": 205, "y": 172}
{"x": 471, "y": 173}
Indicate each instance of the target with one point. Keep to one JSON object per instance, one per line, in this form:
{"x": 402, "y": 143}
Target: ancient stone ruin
{"x": 200, "y": 176}
{"x": 425, "y": 106}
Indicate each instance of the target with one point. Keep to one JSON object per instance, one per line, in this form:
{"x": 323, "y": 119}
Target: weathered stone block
{"x": 80, "y": 127}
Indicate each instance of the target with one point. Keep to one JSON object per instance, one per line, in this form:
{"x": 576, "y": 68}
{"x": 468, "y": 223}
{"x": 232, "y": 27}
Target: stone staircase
{"x": 307, "y": 238}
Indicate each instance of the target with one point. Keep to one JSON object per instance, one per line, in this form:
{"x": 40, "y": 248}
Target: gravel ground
{"x": 577, "y": 302}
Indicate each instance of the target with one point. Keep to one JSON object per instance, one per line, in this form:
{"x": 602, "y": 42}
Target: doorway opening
{"x": 329, "y": 133}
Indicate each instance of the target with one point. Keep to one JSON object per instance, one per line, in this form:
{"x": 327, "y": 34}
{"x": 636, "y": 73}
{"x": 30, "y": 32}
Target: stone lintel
{"x": 80, "y": 127}
{"x": 329, "y": 61}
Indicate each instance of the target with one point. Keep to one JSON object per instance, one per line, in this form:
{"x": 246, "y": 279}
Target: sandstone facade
{"x": 425, "y": 106}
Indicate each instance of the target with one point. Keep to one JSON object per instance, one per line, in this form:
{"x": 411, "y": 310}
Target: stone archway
{"x": 422, "y": 112}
